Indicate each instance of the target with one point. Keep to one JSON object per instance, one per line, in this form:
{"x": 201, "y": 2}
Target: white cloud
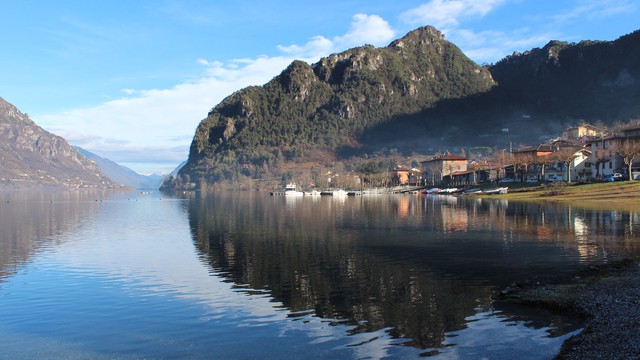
{"x": 447, "y": 14}
{"x": 369, "y": 29}
{"x": 151, "y": 125}
{"x": 365, "y": 29}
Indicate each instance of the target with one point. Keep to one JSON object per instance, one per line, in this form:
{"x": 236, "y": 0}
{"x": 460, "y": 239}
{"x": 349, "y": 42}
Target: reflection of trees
{"x": 28, "y": 220}
{"x": 380, "y": 262}
{"x": 319, "y": 261}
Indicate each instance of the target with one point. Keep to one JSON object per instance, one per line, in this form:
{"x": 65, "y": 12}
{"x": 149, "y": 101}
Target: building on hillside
{"x": 443, "y": 169}
{"x": 579, "y": 132}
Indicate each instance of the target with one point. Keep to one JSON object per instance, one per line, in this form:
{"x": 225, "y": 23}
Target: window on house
{"x": 610, "y": 165}
{"x": 587, "y": 164}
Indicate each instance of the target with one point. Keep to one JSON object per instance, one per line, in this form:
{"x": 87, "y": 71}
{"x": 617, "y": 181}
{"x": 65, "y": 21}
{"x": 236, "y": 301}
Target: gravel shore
{"x": 607, "y": 296}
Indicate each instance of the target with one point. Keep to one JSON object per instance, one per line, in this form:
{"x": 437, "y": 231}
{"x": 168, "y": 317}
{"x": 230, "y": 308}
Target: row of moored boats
{"x": 291, "y": 190}
{"x": 462, "y": 191}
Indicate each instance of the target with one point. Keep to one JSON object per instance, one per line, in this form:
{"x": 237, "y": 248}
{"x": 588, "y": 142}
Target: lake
{"x": 247, "y": 275}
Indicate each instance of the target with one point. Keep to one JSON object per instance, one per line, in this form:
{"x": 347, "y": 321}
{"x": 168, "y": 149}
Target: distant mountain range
{"x": 122, "y": 175}
{"x": 418, "y": 94}
{"x": 32, "y": 157}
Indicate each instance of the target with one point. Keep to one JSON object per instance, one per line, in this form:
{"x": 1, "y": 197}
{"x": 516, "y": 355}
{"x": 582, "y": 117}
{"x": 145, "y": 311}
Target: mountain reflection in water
{"x": 417, "y": 266}
{"x": 246, "y": 275}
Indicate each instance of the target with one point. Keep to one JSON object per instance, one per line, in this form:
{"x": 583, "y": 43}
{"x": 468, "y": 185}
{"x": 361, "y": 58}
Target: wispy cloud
{"x": 594, "y": 9}
{"x": 149, "y": 125}
{"x": 448, "y": 14}
{"x": 491, "y": 45}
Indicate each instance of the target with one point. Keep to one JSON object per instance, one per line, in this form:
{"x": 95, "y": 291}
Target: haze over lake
{"x": 248, "y": 275}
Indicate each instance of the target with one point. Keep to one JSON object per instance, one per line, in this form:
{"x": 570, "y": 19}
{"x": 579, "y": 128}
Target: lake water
{"x": 248, "y": 275}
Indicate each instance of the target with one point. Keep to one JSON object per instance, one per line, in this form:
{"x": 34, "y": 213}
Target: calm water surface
{"x": 247, "y": 275}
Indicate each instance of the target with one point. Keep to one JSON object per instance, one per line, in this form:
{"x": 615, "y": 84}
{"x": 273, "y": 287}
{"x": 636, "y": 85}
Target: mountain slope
{"x": 310, "y": 109}
{"x": 589, "y": 79}
{"x": 31, "y": 156}
{"x": 122, "y": 175}
{"x": 420, "y": 94}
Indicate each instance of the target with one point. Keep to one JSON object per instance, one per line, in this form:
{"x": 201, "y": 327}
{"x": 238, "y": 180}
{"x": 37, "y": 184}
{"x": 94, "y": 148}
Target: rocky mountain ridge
{"x": 31, "y": 156}
{"x": 309, "y": 110}
{"x": 418, "y": 94}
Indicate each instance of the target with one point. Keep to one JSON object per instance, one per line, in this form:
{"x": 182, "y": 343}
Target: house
{"x": 606, "y": 160}
{"x": 579, "y": 132}
{"x": 444, "y": 168}
{"x": 400, "y": 176}
{"x": 529, "y": 162}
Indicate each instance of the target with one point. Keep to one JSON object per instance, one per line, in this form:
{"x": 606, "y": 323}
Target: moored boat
{"x": 500, "y": 190}
{"x": 289, "y": 190}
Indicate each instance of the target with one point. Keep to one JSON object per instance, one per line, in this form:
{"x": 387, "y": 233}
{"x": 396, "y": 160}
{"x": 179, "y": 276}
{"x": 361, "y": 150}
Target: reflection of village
{"x": 581, "y": 153}
{"x": 398, "y": 261}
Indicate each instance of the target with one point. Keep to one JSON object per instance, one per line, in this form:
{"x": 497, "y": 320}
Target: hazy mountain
{"x": 122, "y": 175}
{"x": 31, "y": 156}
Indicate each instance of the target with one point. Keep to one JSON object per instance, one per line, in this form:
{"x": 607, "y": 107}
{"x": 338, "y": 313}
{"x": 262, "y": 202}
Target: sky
{"x": 131, "y": 80}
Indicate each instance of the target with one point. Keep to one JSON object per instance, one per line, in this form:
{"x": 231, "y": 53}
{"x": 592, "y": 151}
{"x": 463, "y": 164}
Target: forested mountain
{"x": 31, "y": 156}
{"x": 418, "y": 94}
{"x": 594, "y": 80}
{"x": 311, "y": 109}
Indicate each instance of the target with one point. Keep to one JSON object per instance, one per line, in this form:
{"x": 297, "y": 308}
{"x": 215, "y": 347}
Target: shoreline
{"x": 623, "y": 195}
{"x": 607, "y": 297}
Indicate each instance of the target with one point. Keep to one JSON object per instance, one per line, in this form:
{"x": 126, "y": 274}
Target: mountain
{"x": 122, "y": 175}
{"x": 31, "y": 156}
{"x": 175, "y": 171}
{"x": 590, "y": 79}
{"x": 417, "y": 95}
{"x": 311, "y": 111}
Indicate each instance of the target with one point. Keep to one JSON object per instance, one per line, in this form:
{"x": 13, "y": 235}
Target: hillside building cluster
{"x": 581, "y": 154}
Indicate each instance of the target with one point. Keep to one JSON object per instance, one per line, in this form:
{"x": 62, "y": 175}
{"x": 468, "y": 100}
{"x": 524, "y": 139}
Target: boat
{"x": 450, "y": 190}
{"x": 313, "y": 192}
{"x": 289, "y": 190}
{"x": 432, "y": 191}
{"x": 472, "y": 191}
{"x": 500, "y": 190}
{"x": 340, "y": 192}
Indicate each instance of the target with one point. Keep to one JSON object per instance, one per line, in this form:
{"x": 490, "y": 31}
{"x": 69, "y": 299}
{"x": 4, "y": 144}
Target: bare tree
{"x": 543, "y": 161}
{"x": 566, "y": 156}
{"x": 600, "y": 159}
{"x": 524, "y": 161}
{"x": 628, "y": 149}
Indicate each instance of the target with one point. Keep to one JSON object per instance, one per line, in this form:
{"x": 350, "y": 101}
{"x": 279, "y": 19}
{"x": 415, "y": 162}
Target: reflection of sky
{"x": 132, "y": 281}
{"x": 491, "y": 336}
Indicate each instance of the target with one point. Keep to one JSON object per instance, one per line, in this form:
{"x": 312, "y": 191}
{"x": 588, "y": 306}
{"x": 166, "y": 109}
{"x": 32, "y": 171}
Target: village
{"x": 582, "y": 153}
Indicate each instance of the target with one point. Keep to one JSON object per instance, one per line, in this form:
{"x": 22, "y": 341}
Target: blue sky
{"x": 131, "y": 80}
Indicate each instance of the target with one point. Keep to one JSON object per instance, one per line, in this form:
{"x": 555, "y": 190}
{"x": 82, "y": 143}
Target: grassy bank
{"x": 623, "y": 195}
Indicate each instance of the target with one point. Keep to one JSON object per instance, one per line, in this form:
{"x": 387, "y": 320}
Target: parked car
{"x": 532, "y": 180}
{"x": 506, "y": 180}
{"x": 620, "y": 177}
{"x": 608, "y": 178}
{"x": 555, "y": 178}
